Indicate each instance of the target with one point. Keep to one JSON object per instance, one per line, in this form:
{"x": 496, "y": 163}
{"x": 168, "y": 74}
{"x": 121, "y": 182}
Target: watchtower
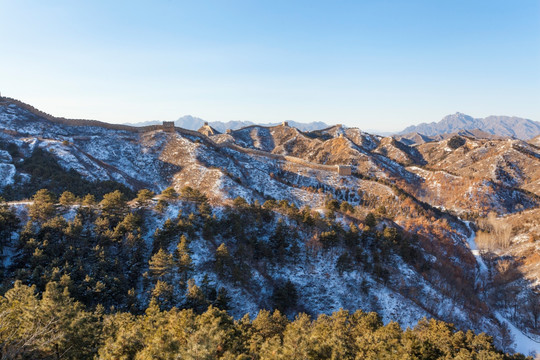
{"x": 344, "y": 170}
{"x": 207, "y": 130}
{"x": 285, "y": 123}
{"x": 168, "y": 126}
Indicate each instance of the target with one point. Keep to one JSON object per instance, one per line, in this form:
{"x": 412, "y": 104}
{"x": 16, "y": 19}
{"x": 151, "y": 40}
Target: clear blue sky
{"x": 372, "y": 64}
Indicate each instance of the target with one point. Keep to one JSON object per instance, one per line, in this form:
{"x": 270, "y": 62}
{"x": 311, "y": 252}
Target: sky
{"x": 372, "y": 64}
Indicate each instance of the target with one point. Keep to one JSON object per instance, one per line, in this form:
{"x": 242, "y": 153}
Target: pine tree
{"x": 223, "y": 299}
{"x": 67, "y": 198}
{"x": 164, "y": 236}
{"x": 222, "y": 260}
{"x": 306, "y": 216}
{"x": 21, "y": 332}
{"x": 240, "y": 202}
{"x": 345, "y": 207}
{"x": 205, "y": 210}
{"x": 162, "y": 293}
{"x": 195, "y": 298}
{"x": 74, "y": 330}
{"x": 182, "y": 257}
{"x": 89, "y": 200}
{"x": 190, "y": 194}
{"x": 169, "y": 193}
{"x": 43, "y": 206}
{"x": 114, "y": 206}
{"x": 370, "y": 220}
{"x": 161, "y": 206}
{"x": 331, "y": 204}
{"x": 297, "y": 339}
{"x": 136, "y": 249}
{"x": 278, "y": 241}
{"x": 284, "y": 296}
{"x": 352, "y": 237}
{"x": 161, "y": 266}
{"x": 208, "y": 289}
{"x": 211, "y": 338}
{"x": 144, "y": 196}
{"x": 8, "y": 224}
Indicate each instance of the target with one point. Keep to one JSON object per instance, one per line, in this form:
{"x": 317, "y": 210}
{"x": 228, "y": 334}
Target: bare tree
{"x": 533, "y": 304}
{"x": 507, "y": 340}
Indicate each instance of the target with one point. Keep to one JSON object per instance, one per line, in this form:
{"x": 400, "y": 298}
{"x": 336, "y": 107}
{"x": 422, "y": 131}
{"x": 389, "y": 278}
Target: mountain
{"x": 417, "y": 138}
{"x": 194, "y": 123}
{"x": 189, "y": 122}
{"x": 272, "y": 217}
{"x": 519, "y": 128}
{"x": 233, "y": 125}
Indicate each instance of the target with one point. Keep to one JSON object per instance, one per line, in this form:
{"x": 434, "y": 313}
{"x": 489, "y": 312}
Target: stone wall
{"x": 166, "y": 126}
{"x": 344, "y": 170}
{"x": 292, "y": 159}
{"x": 71, "y": 122}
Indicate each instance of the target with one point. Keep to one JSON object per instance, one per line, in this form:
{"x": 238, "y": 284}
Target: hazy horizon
{"x": 366, "y": 129}
{"x": 378, "y": 131}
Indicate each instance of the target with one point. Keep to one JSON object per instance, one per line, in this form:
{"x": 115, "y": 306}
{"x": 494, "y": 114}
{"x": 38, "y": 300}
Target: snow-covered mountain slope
{"x": 341, "y": 268}
{"x": 400, "y": 152}
{"x": 157, "y": 159}
{"x": 497, "y": 174}
{"x": 403, "y": 185}
{"x": 511, "y": 168}
{"x": 245, "y": 162}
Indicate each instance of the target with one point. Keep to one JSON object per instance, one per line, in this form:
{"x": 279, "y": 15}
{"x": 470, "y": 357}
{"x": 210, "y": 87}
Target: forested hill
{"x": 273, "y": 218}
{"x": 85, "y": 280}
{"x": 54, "y": 326}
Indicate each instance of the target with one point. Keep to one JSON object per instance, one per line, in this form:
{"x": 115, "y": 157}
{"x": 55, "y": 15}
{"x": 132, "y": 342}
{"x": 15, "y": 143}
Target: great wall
{"x": 340, "y": 169}
{"x": 168, "y": 126}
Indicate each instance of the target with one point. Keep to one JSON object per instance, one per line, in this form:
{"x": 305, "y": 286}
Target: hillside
{"x": 465, "y": 165}
{"x": 386, "y": 238}
{"x": 535, "y": 141}
{"x": 516, "y": 127}
{"x": 418, "y": 139}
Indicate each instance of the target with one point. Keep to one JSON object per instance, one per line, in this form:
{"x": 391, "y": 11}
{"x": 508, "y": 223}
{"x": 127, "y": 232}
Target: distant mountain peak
{"x": 510, "y": 126}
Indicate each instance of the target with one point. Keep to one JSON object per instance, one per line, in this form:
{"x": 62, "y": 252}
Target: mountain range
{"x": 194, "y": 123}
{"x": 332, "y": 218}
{"x": 489, "y": 127}
{"x": 516, "y": 127}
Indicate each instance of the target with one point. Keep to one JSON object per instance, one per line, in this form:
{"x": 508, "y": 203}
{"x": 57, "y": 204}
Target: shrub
{"x": 456, "y": 142}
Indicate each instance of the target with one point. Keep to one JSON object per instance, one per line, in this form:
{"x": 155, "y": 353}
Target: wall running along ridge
{"x": 168, "y": 126}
